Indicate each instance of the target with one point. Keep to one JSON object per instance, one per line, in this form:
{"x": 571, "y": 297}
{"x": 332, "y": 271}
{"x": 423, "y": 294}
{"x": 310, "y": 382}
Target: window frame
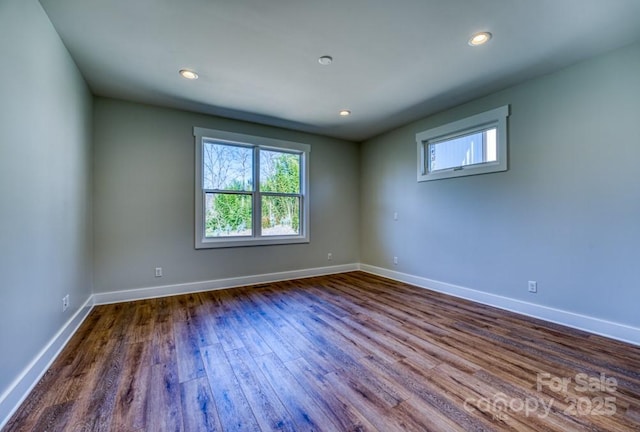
{"x": 496, "y": 117}
{"x": 256, "y": 143}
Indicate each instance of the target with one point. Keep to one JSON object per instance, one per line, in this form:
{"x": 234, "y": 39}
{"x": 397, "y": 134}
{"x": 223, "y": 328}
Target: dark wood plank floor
{"x": 349, "y": 352}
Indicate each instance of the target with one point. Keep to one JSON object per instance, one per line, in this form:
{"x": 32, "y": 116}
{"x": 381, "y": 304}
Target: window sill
{"x": 245, "y": 242}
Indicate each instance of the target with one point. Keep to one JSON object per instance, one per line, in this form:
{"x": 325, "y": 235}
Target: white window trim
{"x": 203, "y": 242}
{"x": 494, "y": 118}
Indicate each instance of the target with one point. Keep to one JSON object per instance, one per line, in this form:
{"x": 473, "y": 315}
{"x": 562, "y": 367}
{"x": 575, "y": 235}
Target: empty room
{"x": 319, "y": 215}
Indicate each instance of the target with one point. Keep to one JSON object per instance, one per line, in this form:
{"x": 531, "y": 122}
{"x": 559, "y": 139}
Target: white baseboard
{"x": 589, "y": 324}
{"x": 20, "y": 388}
{"x": 186, "y": 288}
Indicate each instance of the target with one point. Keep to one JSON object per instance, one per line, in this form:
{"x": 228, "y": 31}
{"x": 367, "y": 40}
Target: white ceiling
{"x": 394, "y": 62}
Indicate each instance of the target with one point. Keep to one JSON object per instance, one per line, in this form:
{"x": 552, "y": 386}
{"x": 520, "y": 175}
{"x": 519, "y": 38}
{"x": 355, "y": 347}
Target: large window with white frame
{"x": 250, "y": 190}
{"x": 473, "y": 145}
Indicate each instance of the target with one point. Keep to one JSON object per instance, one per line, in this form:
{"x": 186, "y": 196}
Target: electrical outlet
{"x": 395, "y": 260}
{"x": 395, "y": 216}
{"x": 533, "y": 286}
{"x": 158, "y": 271}
{"x": 65, "y": 303}
{"x": 329, "y": 256}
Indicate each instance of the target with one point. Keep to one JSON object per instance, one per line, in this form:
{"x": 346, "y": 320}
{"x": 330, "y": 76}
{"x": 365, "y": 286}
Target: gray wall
{"x": 45, "y": 159}
{"x": 567, "y": 213}
{"x": 144, "y": 201}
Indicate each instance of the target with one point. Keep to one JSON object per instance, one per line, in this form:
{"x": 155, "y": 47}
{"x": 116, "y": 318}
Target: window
{"x": 250, "y": 190}
{"x": 474, "y": 145}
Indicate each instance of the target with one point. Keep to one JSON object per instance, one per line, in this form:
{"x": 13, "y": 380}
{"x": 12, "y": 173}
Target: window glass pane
{"x": 227, "y": 167}
{"x": 491, "y": 145}
{"x": 228, "y": 215}
{"x": 280, "y": 215}
{"x": 279, "y": 172}
{"x": 475, "y": 148}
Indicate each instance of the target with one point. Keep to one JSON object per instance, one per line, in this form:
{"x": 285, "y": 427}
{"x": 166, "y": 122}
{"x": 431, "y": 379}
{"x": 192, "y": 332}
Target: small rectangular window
{"x": 250, "y": 190}
{"x": 474, "y": 145}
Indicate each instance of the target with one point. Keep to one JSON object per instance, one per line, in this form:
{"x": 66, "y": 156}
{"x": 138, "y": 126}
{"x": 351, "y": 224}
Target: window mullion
{"x": 226, "y": 191}
{"x": 281, "y": 194}
{"x": 257, "y": 201}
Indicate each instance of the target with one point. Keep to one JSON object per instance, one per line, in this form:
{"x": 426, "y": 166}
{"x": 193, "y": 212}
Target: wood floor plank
{"x": 277, "y": 342}
{"x": 300, "y": 342}
{"x": 164, "y": 410}
{"x": 460, "y": 387}
{"x": 54, "y": 418}
{"x": 199, "y": 412}
{"x": 39, "y": 400}
{"x": 141, "y": 328}
{"x": 233, "y": 408}
{"x": 345, "y": 352}
{"x": 427, "y": 417}
{"x": 332, "y": 333}
{"x": 270, "y": 414}
{"x": 98, "y": 404}
{"x": 305, "y": 412}
{"x": 222, "y": 322}
{"x": 130, "y": 412}
{"x": 415, "y": 378}
{"x": 250, "y": 338}
{"x": 338, "y": 408}
{"x": 204, "y": 322}
{"x": 190, "y": 364}
{"x": 163, "y": 344}
{"x": 379, "y": 414}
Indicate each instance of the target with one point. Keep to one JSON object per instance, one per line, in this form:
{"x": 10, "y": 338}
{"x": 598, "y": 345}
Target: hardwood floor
{"x": 348, "y": 352}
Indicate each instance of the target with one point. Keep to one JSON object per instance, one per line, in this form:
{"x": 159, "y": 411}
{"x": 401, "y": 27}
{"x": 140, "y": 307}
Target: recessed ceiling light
{"x": 479, "y": 38}
{"x": 325, "y": 60}
{"x": 188, "y": 74}
{"x": 345, "y": 113}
